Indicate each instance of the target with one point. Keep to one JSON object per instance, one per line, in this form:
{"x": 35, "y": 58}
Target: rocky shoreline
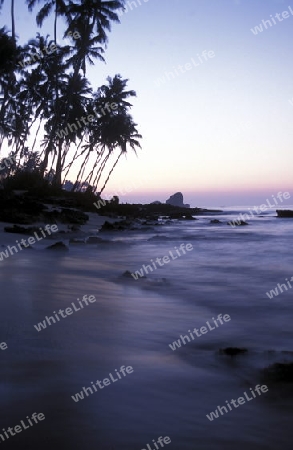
{"x": 24, "y": 208}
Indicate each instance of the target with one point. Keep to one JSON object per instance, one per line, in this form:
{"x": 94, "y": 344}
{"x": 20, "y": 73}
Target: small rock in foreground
{"x": 279, "y": 373}
{"x": 233, "y": 351}
{"x": 60, "y": 246}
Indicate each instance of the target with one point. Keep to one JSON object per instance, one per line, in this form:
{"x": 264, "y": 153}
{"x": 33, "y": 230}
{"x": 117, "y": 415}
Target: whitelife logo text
{"x": 166, "y": 260}
{"x": 65, "y": 313}
{"x": 200, "y": 332}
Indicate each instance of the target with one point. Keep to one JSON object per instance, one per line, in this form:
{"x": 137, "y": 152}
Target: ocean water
{"x": 133, "y": 322}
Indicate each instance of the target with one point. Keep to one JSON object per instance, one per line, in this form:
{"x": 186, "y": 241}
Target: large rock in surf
{"x": 284, "y": 213}
{"x": 177, "y": 200}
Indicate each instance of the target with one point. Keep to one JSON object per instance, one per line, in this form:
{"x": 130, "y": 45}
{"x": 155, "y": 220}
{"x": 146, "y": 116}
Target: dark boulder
{"x": 181, "y": 215}
{"x": 66, "y": 215}
{"x": 232, "y": 351}
{"x": 285, "y": 213}
{"x": 188, "y": 217}
{"x": 128, "y": 274}
{"x": 107, "y": 226}
{"x": 59, "y": 246}
{"x": 122, "y": 225}
{"x": 279, "y": 373}
{"x": 21, "y": 230}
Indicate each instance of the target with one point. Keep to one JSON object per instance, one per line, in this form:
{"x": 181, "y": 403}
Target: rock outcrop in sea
{"x": 177, "y": 200}
{"x": 287, "y": 213}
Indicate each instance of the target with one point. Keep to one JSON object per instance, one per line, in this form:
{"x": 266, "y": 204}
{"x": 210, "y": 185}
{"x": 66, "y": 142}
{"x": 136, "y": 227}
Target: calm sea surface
{"x": 133, "y": 322}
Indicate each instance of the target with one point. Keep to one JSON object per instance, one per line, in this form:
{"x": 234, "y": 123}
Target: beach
{"x": 133, "y": 322}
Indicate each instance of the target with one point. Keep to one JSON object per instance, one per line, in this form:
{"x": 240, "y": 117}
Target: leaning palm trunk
{"x": 67, "y": 148}
{"x": 58, "y": 174}
{"x": 4, "y": 104}
{"x": 91, "y": 173}
{"x": 78, "y": 175}
{"x": 100, "y": 170}
{"x": 37, "y": 133}
{"x": 110, "y": 173}
{"x": 47, "y": 152}
{"x": 53, "y": 162}
{"x": 68, "y": 167}
{"x": 83, "y": 170}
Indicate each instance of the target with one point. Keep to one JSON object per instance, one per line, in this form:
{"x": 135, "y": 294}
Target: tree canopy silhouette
{"x": 47, "y": 101}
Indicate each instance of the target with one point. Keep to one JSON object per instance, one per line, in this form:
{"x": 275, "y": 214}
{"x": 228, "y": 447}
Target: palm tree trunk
{"x": 83, "y": 169}
{"x": 73, "y": 160}
{"x": 57, "y": 180}
{"x": 55, "y": 23}
{"x": 12, "y": 21}
{"x": 91, "y": 174}
{"x": 44, "y": 163}
{"x": 53, "y": 161}
{"x": 37, "y": 132}
{"x": 110, "y": 173}
{"x": 78, "y": 175}
{"x": 100, "y": 170}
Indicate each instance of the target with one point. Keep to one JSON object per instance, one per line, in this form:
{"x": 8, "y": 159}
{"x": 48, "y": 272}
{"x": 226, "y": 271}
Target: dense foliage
{"x": 51, "y": 118}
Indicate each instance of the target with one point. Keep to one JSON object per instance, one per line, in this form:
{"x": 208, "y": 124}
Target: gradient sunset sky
{"x": 222, "y": 131}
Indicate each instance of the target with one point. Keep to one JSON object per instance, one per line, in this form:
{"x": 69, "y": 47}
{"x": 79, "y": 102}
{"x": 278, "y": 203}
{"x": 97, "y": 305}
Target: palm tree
{"x": 46, "y": 95}
{"x": 114, "y": 92}
{"x": 60, "y": 9}
{"x": 58, "y": 6}
{"x": 92, "y": 19}
{"x": 9, "y": 53}
{"x": 80, "y": 90}
{"x": 43, "y": 84}
{"x": 12, "y": 18}
{"x": 124, "y": 133}
{"x": 102, "y": 134}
